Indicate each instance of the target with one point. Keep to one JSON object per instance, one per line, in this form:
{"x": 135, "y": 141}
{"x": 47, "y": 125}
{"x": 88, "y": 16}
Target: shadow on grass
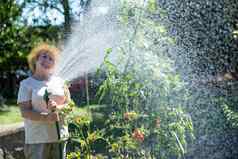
{"x": 6, "y": 106}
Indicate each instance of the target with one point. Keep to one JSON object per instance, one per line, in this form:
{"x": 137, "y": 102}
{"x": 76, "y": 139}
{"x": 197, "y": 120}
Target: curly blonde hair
{"x": 41, "y": 48}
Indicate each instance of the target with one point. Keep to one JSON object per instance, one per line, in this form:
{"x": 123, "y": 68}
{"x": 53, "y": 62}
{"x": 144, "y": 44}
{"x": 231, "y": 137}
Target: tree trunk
{"x": 67, "y": 17}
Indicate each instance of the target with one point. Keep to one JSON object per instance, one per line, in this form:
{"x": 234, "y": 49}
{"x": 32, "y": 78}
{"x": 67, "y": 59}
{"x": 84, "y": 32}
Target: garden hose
{"x": 46, "y": 98}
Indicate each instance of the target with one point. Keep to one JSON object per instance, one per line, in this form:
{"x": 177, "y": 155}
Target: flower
{"x": 81, "y": 120}
{"x": 77, "y": 120}
{"x": 138, "y": 135}
{"x": 92, "y": 137}
{"x": 115, "y": 147}
{"x": 130, "y": 115}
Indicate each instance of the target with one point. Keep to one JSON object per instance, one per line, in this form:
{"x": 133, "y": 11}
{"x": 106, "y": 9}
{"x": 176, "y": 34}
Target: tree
{"x": 11, "y": 53}
{"x": 64, "y": 8}
{"x": 16, "y": 42}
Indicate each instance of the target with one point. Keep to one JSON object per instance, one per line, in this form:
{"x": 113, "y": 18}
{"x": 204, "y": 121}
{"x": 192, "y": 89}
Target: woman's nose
{"x": 49, "y": 61}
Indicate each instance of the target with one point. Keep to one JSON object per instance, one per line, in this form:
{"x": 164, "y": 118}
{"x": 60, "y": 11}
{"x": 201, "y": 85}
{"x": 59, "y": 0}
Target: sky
{"x": 33, "y": 12}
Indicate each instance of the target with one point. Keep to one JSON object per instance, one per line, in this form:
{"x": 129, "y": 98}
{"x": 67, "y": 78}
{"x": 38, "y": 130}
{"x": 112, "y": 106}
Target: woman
{"x": 41, "y": 139}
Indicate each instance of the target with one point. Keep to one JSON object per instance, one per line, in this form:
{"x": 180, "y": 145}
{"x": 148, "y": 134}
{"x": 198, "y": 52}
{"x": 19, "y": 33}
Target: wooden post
{"x": 86, "y": 88}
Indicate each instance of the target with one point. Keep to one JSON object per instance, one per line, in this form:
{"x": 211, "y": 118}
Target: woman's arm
{"x": 67, "y": 99}
{"x": 28, "y": 113}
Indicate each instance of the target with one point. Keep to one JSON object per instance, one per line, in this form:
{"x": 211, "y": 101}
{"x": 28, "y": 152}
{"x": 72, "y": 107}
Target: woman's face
{"x": 45, "y": 62}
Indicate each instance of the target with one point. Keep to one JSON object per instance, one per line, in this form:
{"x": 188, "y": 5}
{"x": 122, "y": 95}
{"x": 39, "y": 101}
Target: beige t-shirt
{"x": 39, "y": 131}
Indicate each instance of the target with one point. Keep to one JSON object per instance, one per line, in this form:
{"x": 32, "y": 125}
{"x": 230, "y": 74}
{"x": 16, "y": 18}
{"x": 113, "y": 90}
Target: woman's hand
{"x": 52, "y": 117}
{"x": 52, "y": 105}
{"x": 28, "y": 113}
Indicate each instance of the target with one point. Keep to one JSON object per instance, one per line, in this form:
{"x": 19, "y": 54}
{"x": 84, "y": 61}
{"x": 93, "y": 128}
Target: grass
{"x": 10, "y": 114}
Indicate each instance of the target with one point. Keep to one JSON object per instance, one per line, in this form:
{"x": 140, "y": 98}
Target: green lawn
{"x": 10, "y": 115}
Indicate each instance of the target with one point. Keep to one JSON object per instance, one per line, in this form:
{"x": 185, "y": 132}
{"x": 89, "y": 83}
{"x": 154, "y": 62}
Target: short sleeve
{"x": 24, "y": 93}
